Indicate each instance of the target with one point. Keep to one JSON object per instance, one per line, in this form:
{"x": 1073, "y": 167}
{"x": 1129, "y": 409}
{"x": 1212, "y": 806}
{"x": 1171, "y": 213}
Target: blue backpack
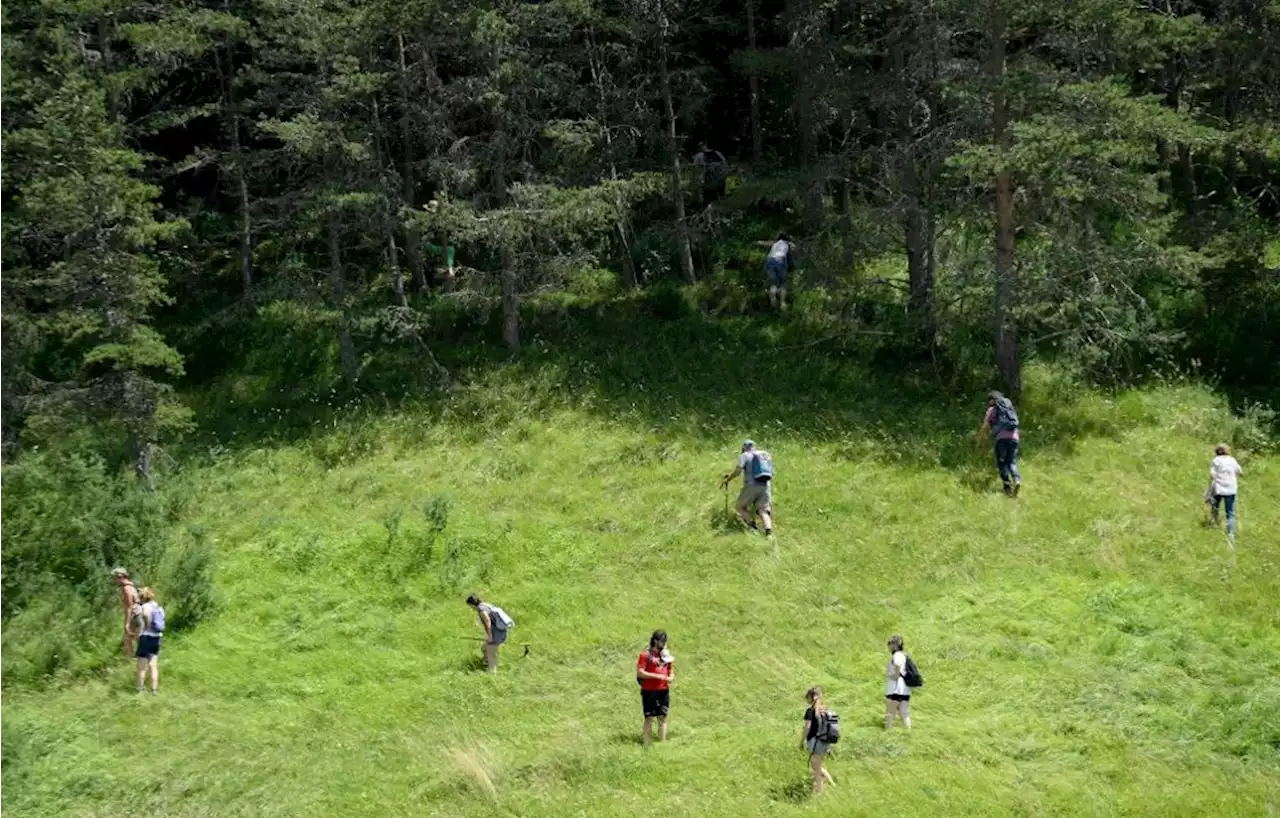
{"x": 157, "y": 619}
{"x": 1005, "y": 417}
{"x": 761, "y": 467}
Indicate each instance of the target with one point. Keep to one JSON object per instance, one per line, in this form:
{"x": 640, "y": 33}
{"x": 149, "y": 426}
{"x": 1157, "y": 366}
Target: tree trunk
{"x": 753, "y": 85}
{"x": 510, "y": 301}
{"x": 621, "y": 229}
{"x": 337, "y": 285}
{"x": 143, "y": 449}
{"x": 917, "y": 238}
{"x": 1006, "y": 335}
{"x": 393, "y": 264}
{"x": 673, "y": 142}
{"x": 412, "y": 241}
{"x": 231, "y": 123}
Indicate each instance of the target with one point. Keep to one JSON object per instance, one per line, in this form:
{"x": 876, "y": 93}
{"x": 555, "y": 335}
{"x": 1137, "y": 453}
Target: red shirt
{"x": 653, "y": 664}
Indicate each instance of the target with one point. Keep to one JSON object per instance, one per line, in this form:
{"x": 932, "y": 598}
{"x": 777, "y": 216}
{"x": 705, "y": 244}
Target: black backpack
{"x": 1005, "y": 417}
{"x": 828, "y": 727}
{"x": 911, "y": 674}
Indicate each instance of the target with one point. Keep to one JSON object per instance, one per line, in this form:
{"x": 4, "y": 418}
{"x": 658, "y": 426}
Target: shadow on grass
{"x": 630, "y": 738}
{"x": 650, "y": 360}
{"x": 795, "y": 791}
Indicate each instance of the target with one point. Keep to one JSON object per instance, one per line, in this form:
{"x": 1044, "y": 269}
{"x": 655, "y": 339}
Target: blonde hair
{"x": 1222, "y": 448}
{"x": 147, "y": 595}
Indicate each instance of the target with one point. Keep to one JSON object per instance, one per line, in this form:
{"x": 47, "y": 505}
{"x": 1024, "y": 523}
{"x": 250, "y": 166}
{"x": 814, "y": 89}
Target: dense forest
{"x": 373, "y": 186}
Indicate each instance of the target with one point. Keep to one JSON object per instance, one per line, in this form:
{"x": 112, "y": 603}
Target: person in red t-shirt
{"x": 655, "y": 669}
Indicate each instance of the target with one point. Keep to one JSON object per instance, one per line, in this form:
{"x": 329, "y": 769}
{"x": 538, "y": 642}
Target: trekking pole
{"x": 524, "y": 645}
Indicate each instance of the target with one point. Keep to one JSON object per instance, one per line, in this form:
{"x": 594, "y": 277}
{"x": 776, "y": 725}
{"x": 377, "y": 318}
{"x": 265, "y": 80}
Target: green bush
{"x": 189, "y": 596}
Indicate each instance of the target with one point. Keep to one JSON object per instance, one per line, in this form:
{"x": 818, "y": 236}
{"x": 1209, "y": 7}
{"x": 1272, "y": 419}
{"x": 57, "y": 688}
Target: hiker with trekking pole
{"x": 496, "y": 624}
{"x": 1002, "y": 419}
{"x": 756, "y": 497}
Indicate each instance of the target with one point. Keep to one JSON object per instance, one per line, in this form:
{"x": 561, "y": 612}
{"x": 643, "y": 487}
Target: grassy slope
{"x": 1088, "y": 649}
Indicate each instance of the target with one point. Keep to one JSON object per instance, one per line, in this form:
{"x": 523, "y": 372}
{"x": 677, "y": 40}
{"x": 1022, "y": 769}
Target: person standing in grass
{"x": 777, "y": 267}
{"x": 1223, "y": 474}
{"x": 129, "y": 599}
{"x": 897, "y": 695}
{"x": 496, "y": 623}
{"x": 149, "y": 640}
{"x": 756, "y": 497}
{"x": 655, "y": 670}
{"x": 810, "y": 739}
{"x": 1002, "y": 419}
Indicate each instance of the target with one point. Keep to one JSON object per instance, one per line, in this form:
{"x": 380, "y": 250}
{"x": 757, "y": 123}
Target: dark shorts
{"x": 898, "y": 697}
{"x": 775, "y": 272}
{"x": 148, "y": 646}
{"x": 656, "y": 702}
{"x": 499, "y": 636}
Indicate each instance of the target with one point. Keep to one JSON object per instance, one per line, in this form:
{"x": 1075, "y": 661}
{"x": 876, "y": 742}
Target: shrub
{"x": 189, "y": 595}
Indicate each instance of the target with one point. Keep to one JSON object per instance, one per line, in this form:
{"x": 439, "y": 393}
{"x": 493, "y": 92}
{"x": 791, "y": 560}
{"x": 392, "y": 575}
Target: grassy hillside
{"x": 1089, "y": 649}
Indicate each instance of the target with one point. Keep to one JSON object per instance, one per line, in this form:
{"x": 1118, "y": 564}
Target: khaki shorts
{"x": 758, "y": 496}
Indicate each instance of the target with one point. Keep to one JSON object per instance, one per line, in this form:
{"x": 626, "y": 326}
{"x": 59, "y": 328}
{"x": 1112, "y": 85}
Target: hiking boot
{"x": 1017, "y": 487}
{"x": 768, "y": 532}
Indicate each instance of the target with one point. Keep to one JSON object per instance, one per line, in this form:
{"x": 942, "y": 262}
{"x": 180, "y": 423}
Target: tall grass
{"x": 1090, "y": 649}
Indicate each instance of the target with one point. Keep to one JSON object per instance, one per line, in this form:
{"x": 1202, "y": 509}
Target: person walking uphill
{"x": 1002, "y": 419}
{"x": 1223, "y": 471}
{"x": 496, "y": 623}
{"x": 821, "y": 730}
{"x": 149, "y": 640}
{"x": 756, "y": 497}
{"x": 129, "y": 599}
{"x": 777, "y": 266}
{"x": 655, "y": 670}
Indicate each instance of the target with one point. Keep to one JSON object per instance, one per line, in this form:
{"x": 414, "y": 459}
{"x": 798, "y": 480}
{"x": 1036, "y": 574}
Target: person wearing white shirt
{"x": 1222, "y": 489}
{"x": 897, "y": 696}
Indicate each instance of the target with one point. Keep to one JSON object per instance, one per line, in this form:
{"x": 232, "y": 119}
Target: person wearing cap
{"x": 129, "y": 599}
{"x": 756, "y": 497}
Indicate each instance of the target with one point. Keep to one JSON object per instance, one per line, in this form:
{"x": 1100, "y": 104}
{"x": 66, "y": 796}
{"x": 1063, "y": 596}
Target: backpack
{"x": 137, "y": 620}
{"x": 911, "y": 674}
{"x": 1005, "y": 417}
{"x": 157, "y": 619}
{"x": 499, "y": 618}
{"x": 761, "y": 467}
{"x": 828, "y": 727}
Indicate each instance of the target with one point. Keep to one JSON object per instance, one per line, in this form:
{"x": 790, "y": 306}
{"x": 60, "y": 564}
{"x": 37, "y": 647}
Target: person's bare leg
{"x": 782, "y": 298}
{"x": 662, "y": 728}
{"x": 905, "y": 712}
{"x": 646, "y": 735}
{"x": 128, "y": 643}
{"x": 815, "y": 765}
{"x": 142, "y": 674}
{"x": 746, "y": 515}
{"x": 773, "y": 297}
{"x": 766, "y": 517}
{"x": 890, "y": 710}
{"x": 491, "y": 657}
{"x": 154, "y": 663}
{"x": 827, "y": 775}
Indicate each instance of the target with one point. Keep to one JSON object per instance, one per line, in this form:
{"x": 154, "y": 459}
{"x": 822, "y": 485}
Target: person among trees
{"x": 777, "y": 267}
{"x": 756, "y": 497}
{"x": 713, "y": 171}
{"x": 148, "y": 652}
{"x": 655, "y": 670}
{"x": 897, "y": 694}
{"x": 811, "y": 739}
{"x": 129, "y": 600}
{"x": 443, "y": 251}
{"x": 1002, "y": 419}
{"x": 496, "y": 623}
{"x": 1223, "y": 474}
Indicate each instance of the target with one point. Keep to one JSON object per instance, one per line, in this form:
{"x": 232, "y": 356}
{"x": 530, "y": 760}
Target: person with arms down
{"x": 712, "y": 170}
{"x": 496, "y": 624}
{"x": 132, "y": 608}
{"x": 1002, "y": 418}
{"x": 756, "y": 497}
{"x": 149, "y": 640}
{"x": 901, "y": 675}
{"x": 655, "y": 670}
{"x": 821, "y": 730}
{"x": 1223, "y": 485}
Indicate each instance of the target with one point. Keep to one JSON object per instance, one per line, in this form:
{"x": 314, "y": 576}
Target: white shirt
{"x": 894, "y": 684}
{"x": 1224, "y": 470}
{"x": 147, "y": 608}
{"x": 779, "y": 250}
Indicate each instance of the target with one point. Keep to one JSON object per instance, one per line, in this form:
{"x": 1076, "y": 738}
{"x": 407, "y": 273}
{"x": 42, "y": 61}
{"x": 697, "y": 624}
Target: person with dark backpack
{"x": 756, "y": 467}
{"x": 901, "y": 677}
{"x": 1002, "y": 419}
{"x": 152, "y": 619}
{"x": 821, "y": 731}
{"x": 496, "y": 623}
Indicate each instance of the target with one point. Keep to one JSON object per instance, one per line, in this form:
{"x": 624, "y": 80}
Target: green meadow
{"x": 1091, "y": 648}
